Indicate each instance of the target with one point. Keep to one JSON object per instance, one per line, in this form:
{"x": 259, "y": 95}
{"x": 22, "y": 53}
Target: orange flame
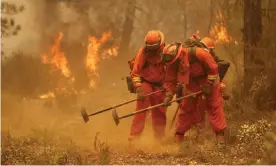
{"x": 95, "y": 52}
{"x": 219, "y": 30}
{"x": 47, "y": 95}
{"x": 93, "y": 57}
{"x": 56, "y": 57}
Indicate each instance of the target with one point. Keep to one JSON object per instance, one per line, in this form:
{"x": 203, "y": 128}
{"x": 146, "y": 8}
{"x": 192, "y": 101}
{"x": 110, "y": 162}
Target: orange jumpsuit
{"x": 149, "y": 69}
{"x": 193, "y": 76}
{"x": 202, "y": 105}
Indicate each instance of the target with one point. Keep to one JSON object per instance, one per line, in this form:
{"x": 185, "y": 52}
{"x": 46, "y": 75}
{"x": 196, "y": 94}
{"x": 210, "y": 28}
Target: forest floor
{"x": 47, "y": 136}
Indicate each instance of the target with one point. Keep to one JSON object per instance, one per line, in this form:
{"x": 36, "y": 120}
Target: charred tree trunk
{"x": 212, "y": 14}
{"x": 252, "y": 35}
{"x": 76, "y": 49}
{"x": 49, "y": 20}
{"x": 185, "y": 20}
{"x": 127, "y": 29}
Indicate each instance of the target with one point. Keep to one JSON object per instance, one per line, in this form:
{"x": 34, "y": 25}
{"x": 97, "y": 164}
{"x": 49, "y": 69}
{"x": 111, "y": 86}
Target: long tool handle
{"x": 121, "y": 104}
{"x": 174, "y": 117}
{"x": 158, "y": 105}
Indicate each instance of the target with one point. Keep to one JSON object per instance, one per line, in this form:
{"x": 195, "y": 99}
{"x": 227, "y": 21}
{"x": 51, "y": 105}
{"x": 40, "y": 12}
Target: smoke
{"x": 168, "y": 18}
{"x": 28, "y": 39}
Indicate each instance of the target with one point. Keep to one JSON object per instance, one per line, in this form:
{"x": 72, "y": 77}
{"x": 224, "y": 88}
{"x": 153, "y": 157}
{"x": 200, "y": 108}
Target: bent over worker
{"x": 200, "y": 75}
{"x": 148, "y": 75}
{"x": 209, "y": 46}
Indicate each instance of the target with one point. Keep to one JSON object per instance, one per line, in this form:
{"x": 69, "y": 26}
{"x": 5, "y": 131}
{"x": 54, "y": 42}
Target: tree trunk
{"x": 185, "y": 20}
{"x": 127, "y": 29}
{"x": 252, "y": 35}
{"x": 76, "y": 48}
{"x": 212, "y": 15}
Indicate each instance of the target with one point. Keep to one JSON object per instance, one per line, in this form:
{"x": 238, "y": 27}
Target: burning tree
{"x": 97, "y": 49}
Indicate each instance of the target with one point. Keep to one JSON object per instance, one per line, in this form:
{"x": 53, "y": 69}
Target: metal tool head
{"x": 115, "y": 117}
{"x": 84, "y": 115}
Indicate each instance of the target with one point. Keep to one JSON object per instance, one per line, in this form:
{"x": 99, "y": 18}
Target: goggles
{"x": 153, "y": 47}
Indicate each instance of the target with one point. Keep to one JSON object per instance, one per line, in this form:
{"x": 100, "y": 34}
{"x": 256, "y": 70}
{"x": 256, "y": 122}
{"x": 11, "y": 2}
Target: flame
{"x": 93, "y": 54}
{"x": 219, "y": 30}
{"x": 56, "y": 57}
{"x": 47, "y": 95}
{"x": 96, "y": 51}
{"x": 58, "y": 61}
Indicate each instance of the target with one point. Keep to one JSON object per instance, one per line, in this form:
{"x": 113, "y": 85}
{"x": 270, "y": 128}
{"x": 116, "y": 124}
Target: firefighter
{"x": 147, "y": 76}
{"x": 210, "y": 45}
{"x": 201, "y": 75}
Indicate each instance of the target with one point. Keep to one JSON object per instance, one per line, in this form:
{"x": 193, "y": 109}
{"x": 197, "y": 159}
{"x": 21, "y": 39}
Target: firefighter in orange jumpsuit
{"x": 210, "y": 44}
{"x": 202, "y": 105}
{"x": 147, "y": 76}
{"x": 202, "y": 75}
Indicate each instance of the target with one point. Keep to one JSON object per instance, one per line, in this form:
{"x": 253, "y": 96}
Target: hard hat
{"x": 171, "y": 52}
{"x": 154, "y": 39}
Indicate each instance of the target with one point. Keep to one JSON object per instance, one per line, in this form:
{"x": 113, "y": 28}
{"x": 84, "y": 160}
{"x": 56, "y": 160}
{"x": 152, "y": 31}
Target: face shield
{"x": 152, "y": 47}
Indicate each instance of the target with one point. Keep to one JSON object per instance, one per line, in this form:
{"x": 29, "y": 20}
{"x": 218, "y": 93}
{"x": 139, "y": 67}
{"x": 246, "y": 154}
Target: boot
{"x": 179, "y": 140}
{"x": 220, "y": 139}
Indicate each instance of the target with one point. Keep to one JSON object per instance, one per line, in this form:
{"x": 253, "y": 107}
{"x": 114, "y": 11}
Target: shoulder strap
{"x": 192, "y": 55}
{"x": 146, "y": 62}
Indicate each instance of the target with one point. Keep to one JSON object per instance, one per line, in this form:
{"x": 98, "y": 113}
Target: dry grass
{"x": 103, "y": 150}
{"x": 41, "y": 149}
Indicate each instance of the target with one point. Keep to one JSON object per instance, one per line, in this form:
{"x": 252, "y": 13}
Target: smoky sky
{"x": 31, "y": 38}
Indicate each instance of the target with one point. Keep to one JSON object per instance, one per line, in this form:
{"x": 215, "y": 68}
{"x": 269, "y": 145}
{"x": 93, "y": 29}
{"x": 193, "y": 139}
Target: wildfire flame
{"x": 95, "y": 52}
{"x": 56, "y": 57}
{"x": 47, "y": 95}
{"x": 93, "y": 57}
{"x": 219, "y": 30}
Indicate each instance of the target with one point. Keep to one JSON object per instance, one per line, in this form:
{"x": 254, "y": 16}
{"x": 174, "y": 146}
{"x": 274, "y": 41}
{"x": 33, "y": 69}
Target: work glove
{"x": 140, "y": 93}
{"x": 168, "y": 98}
{"x": 206, "y": 88}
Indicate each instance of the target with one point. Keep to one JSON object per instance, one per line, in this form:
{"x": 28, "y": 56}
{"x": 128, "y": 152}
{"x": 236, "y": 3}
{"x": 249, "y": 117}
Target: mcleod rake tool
{"x": 117, "y": 119}
{"x": 86, "y": 116}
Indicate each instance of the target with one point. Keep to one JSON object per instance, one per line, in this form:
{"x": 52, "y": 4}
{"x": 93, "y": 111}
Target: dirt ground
{"x": 33, "y": 125}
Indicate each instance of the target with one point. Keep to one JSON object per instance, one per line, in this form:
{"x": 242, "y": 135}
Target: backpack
{"x": 129, "y": 82}
{"x": 192, "y": 44}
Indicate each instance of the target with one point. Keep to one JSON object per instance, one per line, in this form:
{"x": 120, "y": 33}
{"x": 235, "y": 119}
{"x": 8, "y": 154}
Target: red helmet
{"x": 171, "y": 52}
{"x": 153, "y": 40}
{"x": 208, "y": 42}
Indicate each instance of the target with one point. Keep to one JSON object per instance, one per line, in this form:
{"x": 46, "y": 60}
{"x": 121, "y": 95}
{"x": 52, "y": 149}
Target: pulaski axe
{"x": 116, "y": 117}
{"x": 86, "y": 116}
